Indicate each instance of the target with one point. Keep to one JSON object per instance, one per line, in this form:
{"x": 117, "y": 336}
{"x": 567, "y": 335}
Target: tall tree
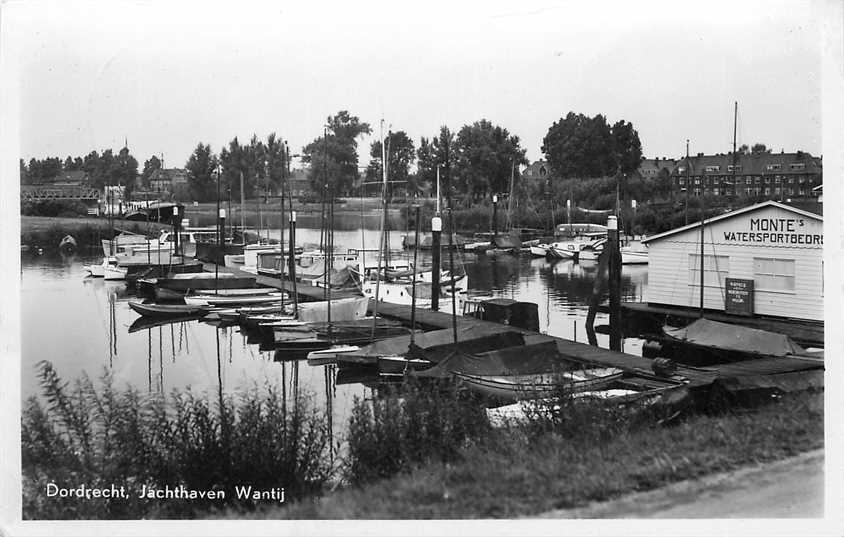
{"x": 580, "y": 146}
{"x": 486, "y": 157}
{"x": 627, "y": 148}
{"x": 246, "y": 159}
{"x": 150, "y": 165}
{"x": 400, "y": 156}
{"x": 438, "y": 153}
{"x": 124, "y": 171}
{"x": 200, "y": 169}
{"x": 333, "y": 158}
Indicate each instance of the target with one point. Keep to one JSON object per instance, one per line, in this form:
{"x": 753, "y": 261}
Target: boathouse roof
{"x": 732, "y": 214}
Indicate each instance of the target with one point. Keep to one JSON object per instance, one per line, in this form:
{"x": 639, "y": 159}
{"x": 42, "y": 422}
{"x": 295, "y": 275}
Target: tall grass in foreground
{"x": 408, "y": 426}
{"x": 102, "y": 437}
{"x": 520, "y": 470}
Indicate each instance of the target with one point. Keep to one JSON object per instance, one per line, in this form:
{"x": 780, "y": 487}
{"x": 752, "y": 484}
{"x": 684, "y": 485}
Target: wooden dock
{"x": 569, "y": 350}
{"x": 806, "y": 333}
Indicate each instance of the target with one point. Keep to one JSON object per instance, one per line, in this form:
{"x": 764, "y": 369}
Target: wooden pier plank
{"x": 572, "y": 350}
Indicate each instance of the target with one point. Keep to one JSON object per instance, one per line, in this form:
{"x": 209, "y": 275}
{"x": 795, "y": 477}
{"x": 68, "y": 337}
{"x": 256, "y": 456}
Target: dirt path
{"x": 790, "y": 488}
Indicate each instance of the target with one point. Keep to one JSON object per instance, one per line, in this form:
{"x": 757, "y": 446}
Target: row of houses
{"x": 775, "y": 176}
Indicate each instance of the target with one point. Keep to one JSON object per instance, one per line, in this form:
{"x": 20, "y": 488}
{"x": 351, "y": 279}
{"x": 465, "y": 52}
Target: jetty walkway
{"x": 764, "y": 371}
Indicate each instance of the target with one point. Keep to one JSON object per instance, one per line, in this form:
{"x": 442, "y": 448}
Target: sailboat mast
{"x": 438, "y": 190}
{"x": 510, "y": 197}
{"x": 382, "y": 242}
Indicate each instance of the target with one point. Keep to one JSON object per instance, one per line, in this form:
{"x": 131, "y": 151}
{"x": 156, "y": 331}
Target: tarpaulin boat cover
{"x": 735, "y": 338}
{"x": 437, "y": 344}
{"x": 521, "y": 360}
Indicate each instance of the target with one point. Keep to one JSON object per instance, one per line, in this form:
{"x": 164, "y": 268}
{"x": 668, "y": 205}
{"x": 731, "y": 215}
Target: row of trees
{"x": 102, "y": 169}
{"x": 475, "y": 161}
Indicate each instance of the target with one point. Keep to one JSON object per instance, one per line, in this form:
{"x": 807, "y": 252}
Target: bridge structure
{"x": 59, "y": 192}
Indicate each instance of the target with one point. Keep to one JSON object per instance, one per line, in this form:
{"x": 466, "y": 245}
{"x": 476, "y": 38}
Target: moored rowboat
{"x": 166, "y": 310}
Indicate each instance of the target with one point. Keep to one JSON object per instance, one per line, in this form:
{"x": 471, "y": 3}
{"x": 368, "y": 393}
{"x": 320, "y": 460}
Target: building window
{"x": 711, "y": 169}
{"x": 715, "y": 191}
{"x": 777, "y": 179}
{"x": 767, "y": 180}
{"x": 748, "y": 180}
{"x": 770, "y": 274}
{"x": 801, "y": 180}
{"x": 681, "y": 169}
{"x": 756, "y": 180}
{"x": 777, "y": 190}
{"x": 767, "y": 191}
{"x": 791, "y": 180}
{"x": 773, "y": 167}
{"x": 798, "y": 166}
{"x": 728, "y": 192}
{"x": 697, "y": 192}
{"x": 716, "y": 180}
{"x": 715, "y": 269}
{"x": 697, "y": 180}
{"x": 736, "y": 168}
{"x": 681, "y": 181}
{"x": 802, "y": 192}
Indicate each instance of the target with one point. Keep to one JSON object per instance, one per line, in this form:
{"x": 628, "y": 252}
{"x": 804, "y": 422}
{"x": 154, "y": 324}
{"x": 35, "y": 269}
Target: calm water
{"x": 81, "y": 325}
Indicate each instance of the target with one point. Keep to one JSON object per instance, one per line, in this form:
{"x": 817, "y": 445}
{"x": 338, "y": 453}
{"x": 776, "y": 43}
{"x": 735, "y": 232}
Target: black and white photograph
{"x": 482, "y": 268}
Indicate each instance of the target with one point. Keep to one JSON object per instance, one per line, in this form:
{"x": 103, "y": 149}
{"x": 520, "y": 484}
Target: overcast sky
{"x": 166, "y": 78}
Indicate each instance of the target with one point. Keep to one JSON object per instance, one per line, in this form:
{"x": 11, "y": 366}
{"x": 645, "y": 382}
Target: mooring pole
{"x": 494, "y": 215}
{"x": 451, "y": 273}
{"x": 415, "y": 272}
{"x": 176, "y": 230}
{"x": 436, "y": 232}
{"x": 292, "y": 261}
{"x": 221, "y": 226}
{"x": 614, "y": 283}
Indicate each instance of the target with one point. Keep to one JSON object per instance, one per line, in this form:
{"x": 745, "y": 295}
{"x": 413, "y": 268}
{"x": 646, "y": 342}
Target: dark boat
{"x": 167, "y": 310}
{"x": 205, "y": 280}
{"x": 436, "y": 345}
{"x": 707, "y": 342}
{"x": 145, "y": 323}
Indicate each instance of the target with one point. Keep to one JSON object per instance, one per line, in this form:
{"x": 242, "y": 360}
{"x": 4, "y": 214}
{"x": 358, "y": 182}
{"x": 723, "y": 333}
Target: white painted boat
{"x": 329, "y": 356}
{"x": 98, "y": 271}
{"x": 219, "y": 300}
{"x": 540, "y": 250}
{"x": 564, "y": 250}
{"x": 253, "y": 291}
{"x": 114, "y": 272}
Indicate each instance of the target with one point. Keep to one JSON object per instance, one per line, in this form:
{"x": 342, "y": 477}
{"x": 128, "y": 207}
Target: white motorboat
{"x": 540, "y": 250}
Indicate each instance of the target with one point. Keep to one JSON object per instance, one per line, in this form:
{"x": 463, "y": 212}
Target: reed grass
{"x": 80, "y": 435}
{"x": 596, "y": 455}
{"x": 420, "y": 422}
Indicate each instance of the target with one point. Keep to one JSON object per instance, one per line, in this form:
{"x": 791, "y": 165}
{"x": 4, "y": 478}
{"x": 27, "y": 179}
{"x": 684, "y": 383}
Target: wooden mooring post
{"x": 614, "y": 269}
{"x": 436, "y": 232}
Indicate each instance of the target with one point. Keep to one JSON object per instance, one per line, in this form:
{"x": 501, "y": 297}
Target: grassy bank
{"x": 418, "y": 450}
{"x": 518, "y": 472}
{"x": 46, "y": 232}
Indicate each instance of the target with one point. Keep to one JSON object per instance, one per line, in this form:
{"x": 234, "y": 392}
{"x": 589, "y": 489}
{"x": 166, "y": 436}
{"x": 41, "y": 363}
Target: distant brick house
{"x": 168, "y": 180}
{"x": 776, "y": 176}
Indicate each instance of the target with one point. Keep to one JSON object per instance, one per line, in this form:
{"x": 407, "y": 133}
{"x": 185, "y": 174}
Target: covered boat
{"x": 706, "y": 342}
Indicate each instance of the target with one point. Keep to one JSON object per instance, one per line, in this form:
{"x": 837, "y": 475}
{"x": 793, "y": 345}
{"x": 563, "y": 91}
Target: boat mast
{"x": 382, "y": 241}
{"x": 510, "y": 197}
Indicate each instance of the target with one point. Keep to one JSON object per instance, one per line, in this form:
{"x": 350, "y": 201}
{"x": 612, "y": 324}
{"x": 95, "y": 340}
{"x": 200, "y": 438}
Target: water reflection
{"x": 91, "y": 329}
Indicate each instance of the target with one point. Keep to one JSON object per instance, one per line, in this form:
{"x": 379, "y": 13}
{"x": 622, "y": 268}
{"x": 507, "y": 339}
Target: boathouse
{"x": 765, "y": 259}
